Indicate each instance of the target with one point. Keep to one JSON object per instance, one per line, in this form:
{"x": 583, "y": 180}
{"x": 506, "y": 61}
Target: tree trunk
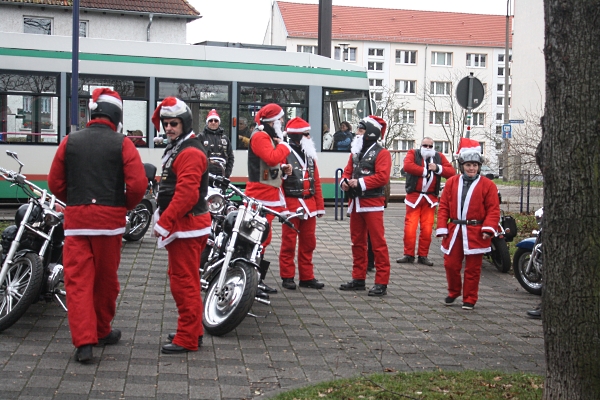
{"x": 570, "y": 162}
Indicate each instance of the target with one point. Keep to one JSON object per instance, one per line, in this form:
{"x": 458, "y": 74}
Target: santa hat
{"x": 469, "y": 150}
{"x": 106, "y": 102}
{"x": 372, "y": 124}
{"x": 172, "y": 107}
{"x": 212, "y": 114}
{"x": 268, "y": 113}
{"x": 297, "y": 125}
{"x": 105, "y": 95}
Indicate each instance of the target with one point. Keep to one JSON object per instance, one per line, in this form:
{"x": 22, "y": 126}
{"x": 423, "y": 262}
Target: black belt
{"x": 466, "y": 221}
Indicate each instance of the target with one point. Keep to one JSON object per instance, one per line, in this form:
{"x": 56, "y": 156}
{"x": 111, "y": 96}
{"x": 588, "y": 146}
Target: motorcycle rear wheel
{"x": 140, "y": 217}
{"x": 20, "y": 288}
{"x": 500, "y": 255}
{"x": 223, "y": 313}
{"x": 531, "y": 282}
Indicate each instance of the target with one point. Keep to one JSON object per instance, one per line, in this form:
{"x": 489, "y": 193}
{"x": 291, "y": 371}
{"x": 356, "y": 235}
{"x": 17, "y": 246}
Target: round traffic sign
{"x": 462, "y": 92}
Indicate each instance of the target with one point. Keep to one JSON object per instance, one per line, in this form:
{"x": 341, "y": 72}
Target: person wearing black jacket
{"x": 217, "y": 144}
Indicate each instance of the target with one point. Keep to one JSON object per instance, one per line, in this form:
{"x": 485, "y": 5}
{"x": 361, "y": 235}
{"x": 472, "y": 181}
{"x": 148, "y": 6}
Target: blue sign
{"x": 516, "y": 121}
{"x": 506, "y": 131}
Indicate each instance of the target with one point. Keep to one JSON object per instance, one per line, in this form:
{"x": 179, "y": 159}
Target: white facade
{"x": 411, "y": 77}
{"x": 117, "y": 26}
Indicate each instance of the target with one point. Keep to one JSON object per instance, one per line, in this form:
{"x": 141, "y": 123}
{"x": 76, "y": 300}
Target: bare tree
{"x": 569, "y": 157}
{"x": 393, "y": 110}
{"x": 524, "y": 141}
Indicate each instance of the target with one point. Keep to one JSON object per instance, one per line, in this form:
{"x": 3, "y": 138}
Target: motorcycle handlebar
{"x": 27, "y": 186}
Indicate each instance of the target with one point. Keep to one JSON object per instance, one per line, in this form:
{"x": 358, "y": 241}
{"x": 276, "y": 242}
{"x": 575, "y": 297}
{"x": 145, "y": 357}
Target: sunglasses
{"x": 172, "y": 123}
{"x": 429, "y": 146}
{"x": 213, "y": 120}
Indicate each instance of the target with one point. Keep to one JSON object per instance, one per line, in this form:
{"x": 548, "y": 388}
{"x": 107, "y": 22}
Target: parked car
{"x": 489, "y": 173}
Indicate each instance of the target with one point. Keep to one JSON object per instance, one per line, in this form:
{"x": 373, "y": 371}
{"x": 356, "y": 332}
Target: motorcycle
{"x": 507, "y": 230}
{"x": 31, "y": 251}
{"x": 230, "y": 273}
{"x": 527, "y": 262}
{"x": 140, "y": 218}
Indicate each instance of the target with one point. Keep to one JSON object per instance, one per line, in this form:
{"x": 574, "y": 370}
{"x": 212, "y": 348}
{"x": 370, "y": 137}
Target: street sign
{"x": 516, "y": 121}
{"x": 506, "y": 131}
{"x": 462, "y": 92}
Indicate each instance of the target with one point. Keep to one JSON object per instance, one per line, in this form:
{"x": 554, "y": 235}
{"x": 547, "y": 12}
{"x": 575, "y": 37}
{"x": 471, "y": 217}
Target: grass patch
{"x": 5, "y": 224}
{"x": 426, "y": 385}
{"x": 525, "y": 224}
{"x": 500, "y": 182}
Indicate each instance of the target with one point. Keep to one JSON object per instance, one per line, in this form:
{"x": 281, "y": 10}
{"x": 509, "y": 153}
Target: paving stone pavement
{"x": 303, "y": 337}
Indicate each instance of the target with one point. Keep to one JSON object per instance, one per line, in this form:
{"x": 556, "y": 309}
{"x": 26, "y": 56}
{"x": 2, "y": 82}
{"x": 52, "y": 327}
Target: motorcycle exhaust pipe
{"x": 263, "y": 301}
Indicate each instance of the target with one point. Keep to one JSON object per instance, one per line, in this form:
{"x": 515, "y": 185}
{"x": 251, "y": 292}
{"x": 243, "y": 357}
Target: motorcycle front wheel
{"x": 139, "y": 219}
{"x": 500, "y": 255}
{"x": 226, "y": 309}
{"x": 532, "y": 281}
{"x": 20, "y": 288}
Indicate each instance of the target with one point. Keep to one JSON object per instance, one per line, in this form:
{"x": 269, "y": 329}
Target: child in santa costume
{"x": 182, "y": 221}
{"x": 266, "y": 154}
{"x": 302, "y": 189}
{"x": 365, "y": 177}
{"x": 89, "y": 172}
{"x": 468, "y": 217}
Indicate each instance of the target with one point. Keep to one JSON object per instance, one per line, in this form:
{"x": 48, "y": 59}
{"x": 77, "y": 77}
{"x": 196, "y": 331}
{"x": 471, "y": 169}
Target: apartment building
{"x": 417, "y": 58}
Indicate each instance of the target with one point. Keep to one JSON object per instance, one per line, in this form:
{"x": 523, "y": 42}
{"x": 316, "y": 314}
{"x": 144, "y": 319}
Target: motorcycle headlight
{"x": 51, "y": 218}
{"x": 216, "y": 203}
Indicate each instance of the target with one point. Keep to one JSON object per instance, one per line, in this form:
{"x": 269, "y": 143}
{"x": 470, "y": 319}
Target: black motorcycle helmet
{"x": 35, "y": 216}
{"x": 107, "y": 103}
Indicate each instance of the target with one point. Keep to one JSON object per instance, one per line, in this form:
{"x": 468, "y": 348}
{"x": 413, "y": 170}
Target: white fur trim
{"x": 273, "y": 118}
{"x": 373, "y": 121}
{"x": 363, "y": 186}
{"x": 441, "y": 231}
{"x": 173, "y": 111}
{"x": 182, "y": 235}
{"x": 110, "y": 99}
{"x": 94, "y": 232}
{"x": 298, "y": 130}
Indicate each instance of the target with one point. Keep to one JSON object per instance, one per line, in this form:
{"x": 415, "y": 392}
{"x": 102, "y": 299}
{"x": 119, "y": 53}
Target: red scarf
{"x": 102, "y": 121}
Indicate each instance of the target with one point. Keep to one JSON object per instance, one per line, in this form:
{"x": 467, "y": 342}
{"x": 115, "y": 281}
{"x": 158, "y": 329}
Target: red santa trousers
{"x": 306, "y": 246}
{"x": 453, "y": 265}
{"x": 360, "y": 224}
{"x": 184, "y": 259}
{"x": 422, "y": 215}
{"x": 92, "y": 284}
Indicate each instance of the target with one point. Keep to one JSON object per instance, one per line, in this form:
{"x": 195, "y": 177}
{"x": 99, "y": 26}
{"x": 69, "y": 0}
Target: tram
{"x": 35, "y": 94}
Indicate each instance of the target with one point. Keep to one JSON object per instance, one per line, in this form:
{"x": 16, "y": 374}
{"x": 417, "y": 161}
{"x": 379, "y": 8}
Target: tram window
{"x": 28, "y": 108}
{"x": 342, "y": 109}
{"x": 194, "y": 91}
{"x": 273, "y": 94}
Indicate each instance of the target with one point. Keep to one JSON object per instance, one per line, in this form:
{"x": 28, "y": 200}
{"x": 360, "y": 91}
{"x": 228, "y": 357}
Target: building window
{"x": 377, "y": 96}
{"x": 306, "y": 49}
{"x": 500, "y": 71}
{"x": 405, "y": 117}
{"x": 45, "y": 104}
{"x": 438, "y": 58}
{"x": 349, "y": 56}
{"x": 404, "y": 144}
{"x": 441, "y": 88}
{"x": 406, "y": 57}
{"x": 439, "y": 117}
{"x": 83, "y": 28}
{"x": 499, "y": 117}
{"x": 442, "y": 147}
{"x": 38, "y": 26}
{"x": 482, "y": 145}
{"x": 376, "y": 82}
{"x": 375, "y": 66}
{"x": 405, "y": 87}
{"x": 376, "y": 52}
{"x": 500, "y": 87}
{"x": 499, "y": 101}
{"x": 477, "y": 120}
{"x": 476, "y": 60}
{"x": 500, "y": 57}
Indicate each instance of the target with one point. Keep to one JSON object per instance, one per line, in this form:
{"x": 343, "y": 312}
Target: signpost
{"x": 516, "y": 121}
{"x": 469, "y": 95}
{"x": 507, "y": 131}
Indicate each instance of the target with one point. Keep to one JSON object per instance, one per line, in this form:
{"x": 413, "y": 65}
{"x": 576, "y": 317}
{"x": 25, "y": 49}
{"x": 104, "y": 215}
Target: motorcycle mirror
{"x": 13, "y": 154}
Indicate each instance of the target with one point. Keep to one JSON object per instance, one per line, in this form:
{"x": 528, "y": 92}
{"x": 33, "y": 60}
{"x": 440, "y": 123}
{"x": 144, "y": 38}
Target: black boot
{"x": 354, "y": 284}
{"x": 263, "y": 268}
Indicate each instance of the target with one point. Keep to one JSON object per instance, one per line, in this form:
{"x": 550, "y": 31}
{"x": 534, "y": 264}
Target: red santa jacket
{"x": 175, "y": 222}
{"x": 445, "y": 170}
{"x": 92, "y": 219}
{"x": 312, "y": 206}
{"x": 481, "y": 204}
{"x": 262, "y": 146}
{"x": 383, "y": 167}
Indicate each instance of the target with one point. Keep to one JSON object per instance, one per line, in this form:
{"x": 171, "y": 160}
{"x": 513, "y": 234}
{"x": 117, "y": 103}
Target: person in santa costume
{"x": 364, "y": 178}
{"x": 424, "y": 169}
{"x": 182, "y": 221}
{"x": 467, "y": 220}
{"x": 266, "y": 154}
{"x": 302, "y": 189}
{"x": 217, "y": 144}
{"x": 90, "y": 171}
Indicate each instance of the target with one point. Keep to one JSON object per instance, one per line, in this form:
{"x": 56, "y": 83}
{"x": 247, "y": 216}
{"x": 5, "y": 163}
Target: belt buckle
{"x": 471, "y": 222}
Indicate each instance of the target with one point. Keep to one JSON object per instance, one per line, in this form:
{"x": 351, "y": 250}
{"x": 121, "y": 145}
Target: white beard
{"x": 357, "y": 144}
{"x": 308, "y": 146}
{"x": 427, "y": 153}
{"x": 277, "y": 128}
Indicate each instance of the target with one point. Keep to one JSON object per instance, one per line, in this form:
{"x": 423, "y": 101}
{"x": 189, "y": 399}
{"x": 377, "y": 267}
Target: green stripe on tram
{"x": 64, "y": 55}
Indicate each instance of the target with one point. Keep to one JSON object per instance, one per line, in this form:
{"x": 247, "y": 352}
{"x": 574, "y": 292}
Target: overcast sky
{"x": 246, "y": 21}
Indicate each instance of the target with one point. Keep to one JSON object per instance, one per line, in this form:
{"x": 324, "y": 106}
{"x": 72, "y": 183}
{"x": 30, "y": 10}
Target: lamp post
{"x": 505, "y": 171}
{"x": 344, "y": 49}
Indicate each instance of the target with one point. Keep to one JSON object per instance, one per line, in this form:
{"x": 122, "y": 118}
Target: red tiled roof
{"x": 393, "y": 25}
{"x": 170, "y": 7}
